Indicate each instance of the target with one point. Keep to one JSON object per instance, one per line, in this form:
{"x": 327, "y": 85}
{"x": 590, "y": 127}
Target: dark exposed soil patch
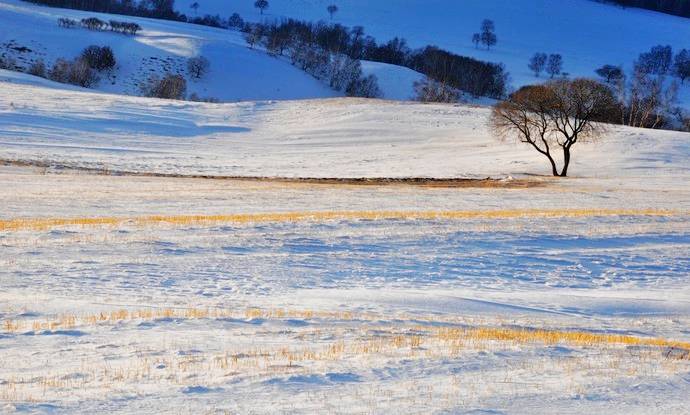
{"x": 362, "y": 181}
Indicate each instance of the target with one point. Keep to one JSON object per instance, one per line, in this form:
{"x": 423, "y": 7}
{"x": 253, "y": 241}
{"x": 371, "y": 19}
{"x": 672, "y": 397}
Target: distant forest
{"x": 674, "y": 7}
{"x": 161, "y": 9}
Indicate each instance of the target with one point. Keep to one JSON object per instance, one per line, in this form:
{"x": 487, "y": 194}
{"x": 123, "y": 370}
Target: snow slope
{"x": 237, "y": 72}
{"x": 322, "y": 138}
{"x": 588, "y": 34}
{"x": 605, "y": 35}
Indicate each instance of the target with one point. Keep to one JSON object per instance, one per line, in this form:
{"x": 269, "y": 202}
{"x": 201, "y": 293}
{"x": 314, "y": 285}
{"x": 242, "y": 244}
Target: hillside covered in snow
{"x": 595, "y": 34}
{"x": 237, "y": 73}
{"x": 588, "y": 34}
{"x": 352, "y": 138}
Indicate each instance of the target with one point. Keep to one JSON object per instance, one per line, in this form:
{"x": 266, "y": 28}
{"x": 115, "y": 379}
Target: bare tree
{"x": 554, "y": 65}
{"x": 429, "y": 90}
{"x": 554, "y": 116}
{"x": 657, "y": 61}
{"x": 537, "y": 63}
{"x": 261, "y": 5}
{"x": 81, "y": 74}
{"x": 38, "y": 68}
{"x": 610, "y": 74}
{"x": 476, "y": 39}
{"x": 681, "y": 65}
{"x": 364, "y": 87}
{"x": 342, "y": 71}
{"x": 195, "y": 6}
{"x": 647, "y": 100}
{"x": 77, "y": 72}
{"x": 488, "y": 36}
{"x": 254, "y": 35}
{"x": 235, "y": 21}
{"x": 332, "y": 9}
{"x": 169, "y": 87}
{"x": 198, "y": 66}
{"x": 99, "y": 58}
{"x": 8, "y": 63}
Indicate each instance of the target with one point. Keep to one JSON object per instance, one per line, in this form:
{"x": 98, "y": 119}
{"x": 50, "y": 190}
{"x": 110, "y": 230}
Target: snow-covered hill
{"x": 311, "y": 138}
{"x": 588, "y": 34}
{"x": 237, "y": 72}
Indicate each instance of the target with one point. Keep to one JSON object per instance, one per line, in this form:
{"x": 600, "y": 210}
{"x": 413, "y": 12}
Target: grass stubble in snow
{"x": 119, "y": 313}
{"x": 302, "y": 349}
{"x": 162, "y": 294}
{"x": 191, "y": 220}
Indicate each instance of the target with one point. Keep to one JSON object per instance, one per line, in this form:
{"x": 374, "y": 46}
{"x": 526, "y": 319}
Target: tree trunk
{"x": 566, "y": 162}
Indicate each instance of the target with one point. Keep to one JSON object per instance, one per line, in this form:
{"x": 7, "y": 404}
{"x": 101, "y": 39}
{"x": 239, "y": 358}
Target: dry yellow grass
{"x": 579, "y": 338}
{"x": 372, "y": 343}
{"x": 419, "y": 333}
{"x": 188, "y": 220}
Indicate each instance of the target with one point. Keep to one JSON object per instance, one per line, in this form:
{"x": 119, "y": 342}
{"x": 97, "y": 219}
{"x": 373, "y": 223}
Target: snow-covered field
{"x": 128, "y": 284}
{"x": 134, "y": 294}
{"x": 338, "y": 316}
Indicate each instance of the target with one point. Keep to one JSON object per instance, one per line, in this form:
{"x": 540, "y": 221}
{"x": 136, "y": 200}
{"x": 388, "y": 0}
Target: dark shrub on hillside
{"x": 124, "y": 27}
{"x": 208, "y": 20}
{"x": 235, "y": 21}
{"x": 93, "y": 23}
{"x": 77, "y": 72}
{"x": 198, "y": 66}
{"x": 38, "y": 68}
{"x": 99, "y": 58}
{"x": 8, "y": 63}
{"x": 428, "y": 90}
{"x": 68, "y": 23}
{"x": 169, "y": 87}
{"x": 364, "y": 87}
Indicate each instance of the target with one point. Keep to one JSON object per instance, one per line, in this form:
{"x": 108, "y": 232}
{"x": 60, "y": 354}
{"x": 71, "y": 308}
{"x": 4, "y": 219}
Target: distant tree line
{"x": 674, "y": 7}
{"x": 317, "y": 50}
{"x": 648, "y": 95}
{"x": 299, "y": 38}
{"x": 162, "y": 9}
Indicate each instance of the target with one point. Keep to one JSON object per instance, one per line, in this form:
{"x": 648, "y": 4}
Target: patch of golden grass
{"x": 370, "y": 344}
{"x": 419, "y": 334}
{"x": 550, "y": 337}
{"x": 241, "y": 218}
{"x": 70, "y": 321}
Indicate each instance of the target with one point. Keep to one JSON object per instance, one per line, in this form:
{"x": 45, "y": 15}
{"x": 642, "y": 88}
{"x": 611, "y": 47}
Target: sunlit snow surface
{"x": 348, "y": 294}
{"x": 329, "y": 315}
